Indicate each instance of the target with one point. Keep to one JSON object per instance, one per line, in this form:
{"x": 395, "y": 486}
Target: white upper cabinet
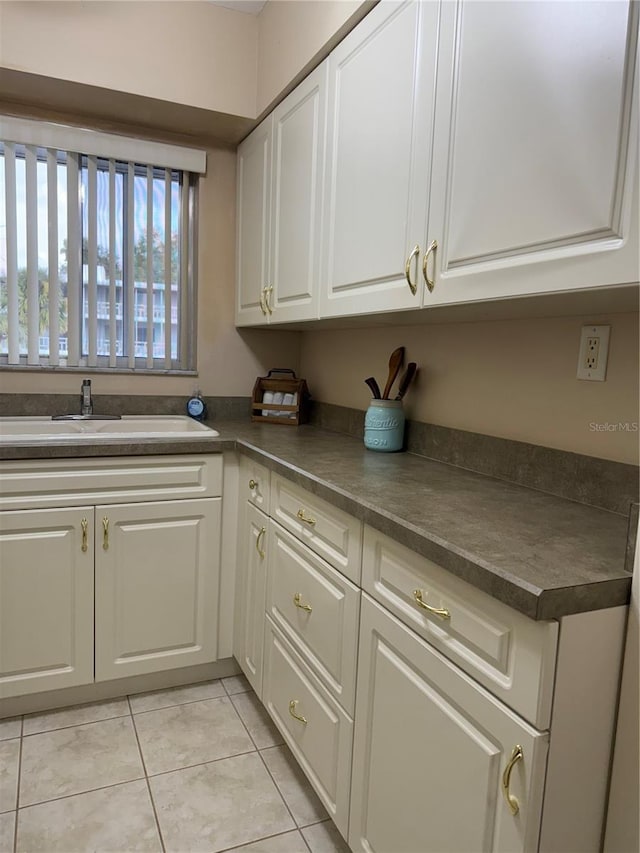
{"x": 466, "y": 150}
{"x": 379, "y": 126}
{"x": 535, "y": 149}
{"x": 298, "y": 162}
{"x": 252, "y": 237}
{"x": 280, "y": 169}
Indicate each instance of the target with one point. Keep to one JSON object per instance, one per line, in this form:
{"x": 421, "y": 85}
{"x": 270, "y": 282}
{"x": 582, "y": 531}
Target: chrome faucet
{"x": 86, "y": 407}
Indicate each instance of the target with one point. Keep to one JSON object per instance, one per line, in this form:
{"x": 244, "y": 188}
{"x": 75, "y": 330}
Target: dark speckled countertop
{"x": 543, "y": 555}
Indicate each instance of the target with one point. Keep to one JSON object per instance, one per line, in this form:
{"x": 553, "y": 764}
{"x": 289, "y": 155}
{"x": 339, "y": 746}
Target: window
{"x": 97, "y": 247}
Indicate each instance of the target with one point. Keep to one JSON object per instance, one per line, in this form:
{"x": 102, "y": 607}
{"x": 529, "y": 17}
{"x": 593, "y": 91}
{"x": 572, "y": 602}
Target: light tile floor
{"x": 199, "y": 768}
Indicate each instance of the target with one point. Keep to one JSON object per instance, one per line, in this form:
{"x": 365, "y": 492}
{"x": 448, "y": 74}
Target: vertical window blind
{"x": 97, "y": 258}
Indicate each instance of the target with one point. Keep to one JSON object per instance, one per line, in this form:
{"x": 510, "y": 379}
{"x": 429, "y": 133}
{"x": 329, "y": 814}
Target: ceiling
{"x": 250, "y": 7}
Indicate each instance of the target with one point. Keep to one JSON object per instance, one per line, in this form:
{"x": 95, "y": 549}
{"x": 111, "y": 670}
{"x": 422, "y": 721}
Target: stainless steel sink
{"x": 94, "y": 429}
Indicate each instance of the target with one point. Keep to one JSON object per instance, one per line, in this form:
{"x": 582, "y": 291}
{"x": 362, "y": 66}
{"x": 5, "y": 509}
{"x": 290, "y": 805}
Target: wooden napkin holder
{"x": 280, "y": 381}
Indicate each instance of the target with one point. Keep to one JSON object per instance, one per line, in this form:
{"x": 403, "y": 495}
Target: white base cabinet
{"x": 96, "y": 589}
{"x": 314, "y": 726}
{"x": 431, "y": 751}
{"x": 46, "y": 599}
{"x": 467, "y": 717}
{"x": 156, "y": 586}
{"x": 250, "y": 592}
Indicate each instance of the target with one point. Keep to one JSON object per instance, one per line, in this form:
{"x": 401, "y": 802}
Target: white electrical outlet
{"x": 594, "y": 348}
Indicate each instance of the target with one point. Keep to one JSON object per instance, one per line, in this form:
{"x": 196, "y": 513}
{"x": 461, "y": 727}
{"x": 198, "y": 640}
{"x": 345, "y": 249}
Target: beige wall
{"x": 510, "y": 378}
{"x": 228, "y": 360}
{"x": 188, "y": 52}
{"x": 292, "y": 34}
{"x": 184, "y": 51}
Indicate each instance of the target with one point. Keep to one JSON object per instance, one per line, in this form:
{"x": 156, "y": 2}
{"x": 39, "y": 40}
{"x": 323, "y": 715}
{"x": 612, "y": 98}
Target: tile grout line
{"x": 180, "y": 704}
{"x": 271, "y": 776}
{"x": 15, "y": 827}
{"x": 266, "y": 838}
{"x": 75, "y": 725}
{"x": 146, "y": 776}
{"x": 245, "y": 726}
{"x": 200, "y": 763}
{"x": 81, "y": 793}
{"x": 264, "y": 764}
{"x": 282, "y": 797}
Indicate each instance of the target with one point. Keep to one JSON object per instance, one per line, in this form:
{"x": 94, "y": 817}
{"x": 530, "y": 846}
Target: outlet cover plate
{"x": 594, "y": 350}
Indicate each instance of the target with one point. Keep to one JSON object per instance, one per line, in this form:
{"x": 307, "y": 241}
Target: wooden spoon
{"x": 395, "y": 363}
{"x": 407, "y": 379}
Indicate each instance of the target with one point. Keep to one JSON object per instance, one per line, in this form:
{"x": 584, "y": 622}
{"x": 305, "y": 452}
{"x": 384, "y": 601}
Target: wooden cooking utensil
{"x": 375, "y": 388}
{"x": 395, "y": 363}
{"x": 407, "y": 379}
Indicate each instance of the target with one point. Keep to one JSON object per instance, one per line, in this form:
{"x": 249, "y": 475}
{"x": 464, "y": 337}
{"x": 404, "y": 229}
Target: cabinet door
{"x": 252, "y": 580}
{"x": 535, "y": 149}
{"x": 46, "y": 600}
{"x": 254, "y": 214}
{"x": 299, "y": 125}
{"x": 157, "y": 573}
{"x": 430, "y": 750}
{"x": 379, "y": 122}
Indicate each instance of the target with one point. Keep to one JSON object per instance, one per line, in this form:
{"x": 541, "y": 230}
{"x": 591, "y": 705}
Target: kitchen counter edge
{"x": 536, "y": 602}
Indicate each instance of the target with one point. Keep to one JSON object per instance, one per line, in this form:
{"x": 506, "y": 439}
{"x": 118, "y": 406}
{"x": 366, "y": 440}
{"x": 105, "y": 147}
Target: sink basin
{"x": 43, "y": 430}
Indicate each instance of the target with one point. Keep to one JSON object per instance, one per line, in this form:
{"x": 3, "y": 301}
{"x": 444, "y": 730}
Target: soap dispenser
{"x": 196, "y": 407}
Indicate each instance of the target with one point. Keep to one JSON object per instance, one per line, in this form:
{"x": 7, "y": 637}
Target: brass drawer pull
{"x": 105, "y": 533}
{"x": 84, "y": 526}
{"x": 267, "y": 293}
{"x": 261, "y": 533}
{"x": 292, "y": 711}
{"x": 253, "y": 485}
{"x": 429, "y": 281}
{"x": 407, "y": 269}
{"x": 262, "y": 308}
{"x": 297, "y": 598}
{"x": 511, "y": 801}
{"x": 442, "y": 612}
{"x": 304, "y": 517}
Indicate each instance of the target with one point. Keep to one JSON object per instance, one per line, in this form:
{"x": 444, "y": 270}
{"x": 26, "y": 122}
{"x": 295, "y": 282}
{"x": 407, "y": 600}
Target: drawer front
{"x": 510, "y": 654}
{"x": 255, "y": 483}
{"x": 35, "y": 483}
{"x": 322, "y": 745}
{"x": 330, "y": 532}
{"x": 318, "y": 611}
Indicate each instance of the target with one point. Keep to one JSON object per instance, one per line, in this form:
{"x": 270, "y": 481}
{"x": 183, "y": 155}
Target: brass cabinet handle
{"x": 262, "y": 308}
{"x": 407, "y": 269}
{"x": 267, "y": 293}
{"x": 84, "y": 526}
{"x": 292, "y": 711}
{"x": 253, "y": 485}
{"x": 429, "y": 281}
{"x": 301, "y": 514}
{"x": 261, "y": 533}
{"x": 297, "y": 599}
{"x": 511, "y": 801}
{"x": 442, "y": 612}
{"x": 105, "y": 533}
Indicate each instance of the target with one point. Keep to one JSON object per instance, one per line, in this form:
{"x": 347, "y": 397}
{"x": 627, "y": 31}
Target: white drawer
{"x": 510, "y": 654}
{"x": 330, "y": 532}
{"x": 323, "y": 744}
{"x": 255, "y": 483}
{"x": 317, "y": 609}
{"x": 35, "y": 483}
